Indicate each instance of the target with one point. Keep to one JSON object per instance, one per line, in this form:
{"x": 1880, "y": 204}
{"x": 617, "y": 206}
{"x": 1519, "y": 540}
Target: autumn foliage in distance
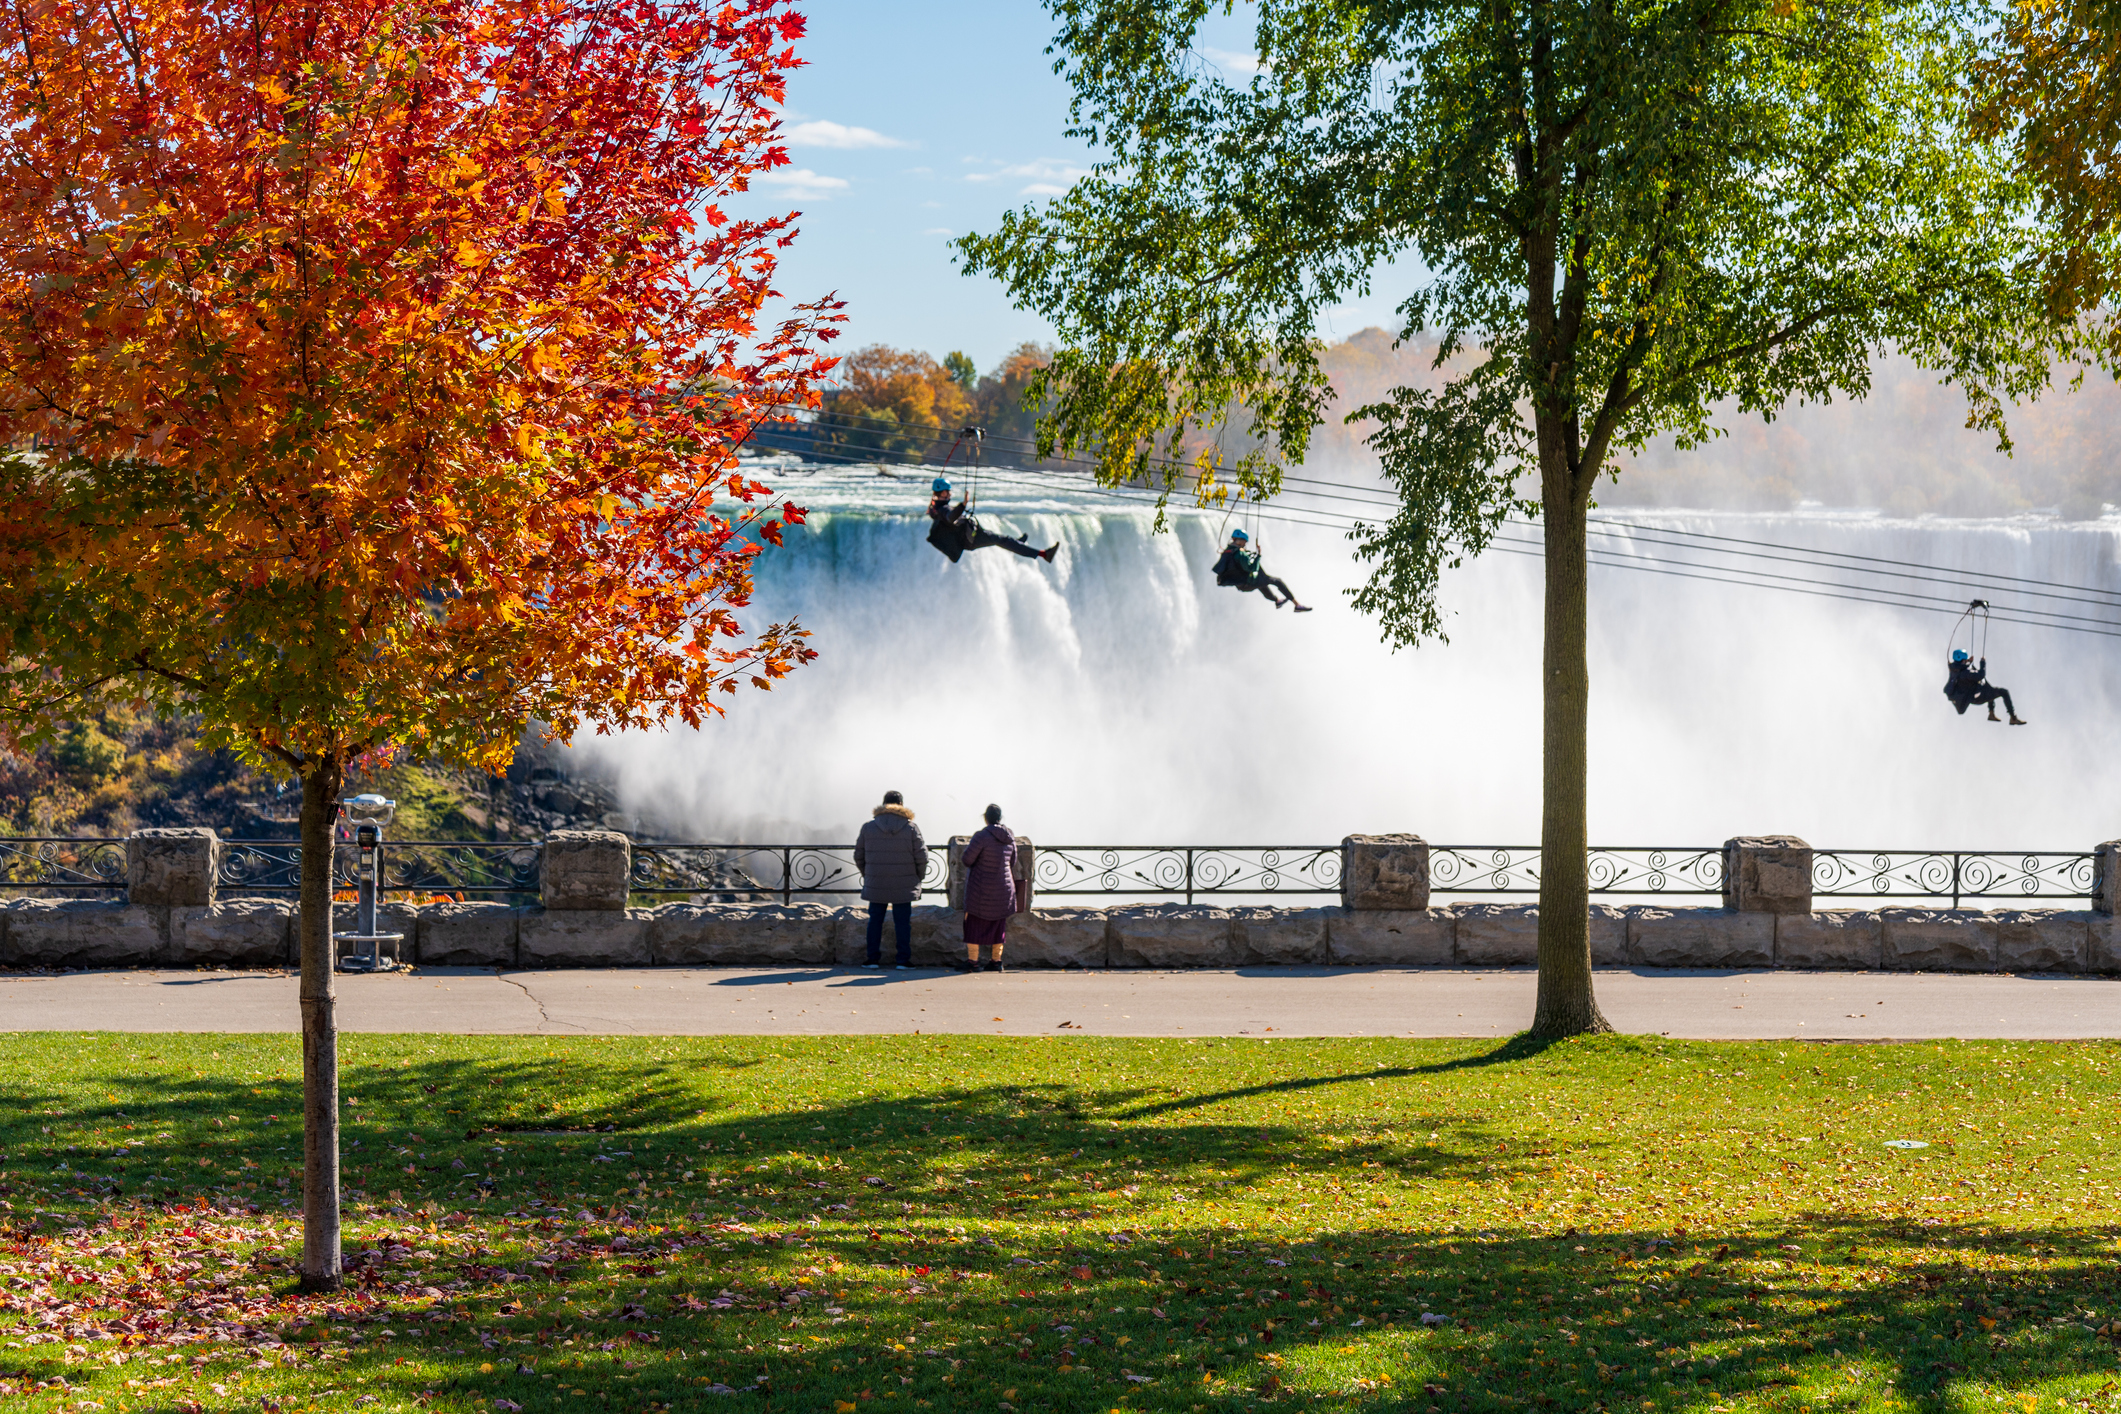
{"x": 385, "y": 361}
{"x": 892, "y": 402}
{"x": 2053, "y": 83}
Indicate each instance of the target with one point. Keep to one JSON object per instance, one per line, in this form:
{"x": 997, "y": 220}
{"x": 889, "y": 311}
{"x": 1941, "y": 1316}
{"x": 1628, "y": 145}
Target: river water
{"x": 1117, "y": 696}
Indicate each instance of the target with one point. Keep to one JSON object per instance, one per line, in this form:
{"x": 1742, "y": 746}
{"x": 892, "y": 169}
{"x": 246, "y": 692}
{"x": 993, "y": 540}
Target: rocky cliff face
{"x": 117, "y": 773}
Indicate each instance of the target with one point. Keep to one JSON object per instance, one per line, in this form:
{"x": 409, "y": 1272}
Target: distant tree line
{"x": 1903, "y": 448}
{"x": 903, "y": 405}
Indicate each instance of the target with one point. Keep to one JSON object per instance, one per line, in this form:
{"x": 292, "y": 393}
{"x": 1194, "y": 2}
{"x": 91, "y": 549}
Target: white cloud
{"x": 1231, "y": 59}
{"x": 1048, "y": 176}
{"x": 802, "y": 184}
{"x": 820, "y": 132}
{"x": 938, "y": 231}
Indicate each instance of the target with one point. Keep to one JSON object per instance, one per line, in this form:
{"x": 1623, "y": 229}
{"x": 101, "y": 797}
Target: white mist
{"x": 1119, "y": 697}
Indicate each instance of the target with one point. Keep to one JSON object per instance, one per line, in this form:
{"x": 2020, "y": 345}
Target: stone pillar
{"x": 172, "y": 868}
{"x": 2106, "y": 877}
{"x": 1384, "y": 872}
{"x": 587, "y": 869}
{"x": 1026, "y": 880}
{"x": 1767, "y": 874}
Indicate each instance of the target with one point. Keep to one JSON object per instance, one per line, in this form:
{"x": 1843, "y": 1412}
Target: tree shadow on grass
{"x": 1514, "y": 1051}
{"x": 968, "y": 1223}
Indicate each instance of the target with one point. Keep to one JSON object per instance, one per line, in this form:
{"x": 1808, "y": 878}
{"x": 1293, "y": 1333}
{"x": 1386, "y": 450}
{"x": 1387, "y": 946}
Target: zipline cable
{"x": 1610, "y": 526}
{"x": 1880, "y": 595}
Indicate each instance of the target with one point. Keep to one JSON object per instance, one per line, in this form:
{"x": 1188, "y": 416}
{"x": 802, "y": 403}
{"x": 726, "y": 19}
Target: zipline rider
{"x": 1239, "y": 568}
{"x": 953, "y": 530}
{"x": 1968, "y": 686}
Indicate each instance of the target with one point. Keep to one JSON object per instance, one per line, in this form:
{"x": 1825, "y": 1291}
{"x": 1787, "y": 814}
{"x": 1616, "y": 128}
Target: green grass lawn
{"x": 897, "y": 1223}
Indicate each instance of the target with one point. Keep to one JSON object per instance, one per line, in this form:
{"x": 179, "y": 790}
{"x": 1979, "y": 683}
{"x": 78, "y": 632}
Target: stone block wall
{"x": 1388, "y": 872}
{"x": 64, "y": 933}
{"x": 586, "y": 870}
{"x": 172, "y": 917}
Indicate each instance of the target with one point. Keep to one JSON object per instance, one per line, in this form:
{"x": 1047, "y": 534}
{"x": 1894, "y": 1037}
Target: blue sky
{"x": 919, "y": 120}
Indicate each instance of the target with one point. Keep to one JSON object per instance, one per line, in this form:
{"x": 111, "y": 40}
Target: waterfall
{"x": 1119, "y": 696}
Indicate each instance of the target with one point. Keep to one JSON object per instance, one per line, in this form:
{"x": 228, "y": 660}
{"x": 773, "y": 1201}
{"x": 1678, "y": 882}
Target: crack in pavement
{"x": 544, "y": 1016}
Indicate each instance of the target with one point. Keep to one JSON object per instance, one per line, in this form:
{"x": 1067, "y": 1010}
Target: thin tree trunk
{"x": 1565, "y": 1005}
{"x": 320, "y": 1031}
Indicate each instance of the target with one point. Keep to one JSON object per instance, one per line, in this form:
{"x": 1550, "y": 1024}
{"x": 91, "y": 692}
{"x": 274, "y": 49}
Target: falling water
{"x": 1118, "y": 696}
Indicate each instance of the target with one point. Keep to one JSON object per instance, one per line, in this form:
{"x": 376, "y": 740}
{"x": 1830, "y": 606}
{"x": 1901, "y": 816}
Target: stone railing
{"x": 173, "y": 914}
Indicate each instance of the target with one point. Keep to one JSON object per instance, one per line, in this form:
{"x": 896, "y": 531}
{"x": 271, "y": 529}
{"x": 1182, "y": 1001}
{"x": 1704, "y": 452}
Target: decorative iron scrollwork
{"x": 1186, "y": 871}
{"x": 1634, "y": 870}
{"x": 55, "y": 866}
{"x": 1956, "y": 875}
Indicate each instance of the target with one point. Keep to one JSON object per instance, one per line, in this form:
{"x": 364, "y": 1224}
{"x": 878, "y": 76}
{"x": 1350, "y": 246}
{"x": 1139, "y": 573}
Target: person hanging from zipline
{"x": 1968, "y": 686}
{"x": 1239, "y": 569}
{"x": 953, "y": 529}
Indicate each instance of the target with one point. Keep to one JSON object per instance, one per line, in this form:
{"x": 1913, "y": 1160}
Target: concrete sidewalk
{"x": 1283, "y": 1001}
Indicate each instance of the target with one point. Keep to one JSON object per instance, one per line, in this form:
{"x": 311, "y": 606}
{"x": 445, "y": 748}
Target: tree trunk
{"x": 320, "y": 1031}
{"x": 1565, "y": 1006}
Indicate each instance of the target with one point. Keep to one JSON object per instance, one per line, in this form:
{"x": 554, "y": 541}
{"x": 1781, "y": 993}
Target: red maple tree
{"x": 375, "y": 371}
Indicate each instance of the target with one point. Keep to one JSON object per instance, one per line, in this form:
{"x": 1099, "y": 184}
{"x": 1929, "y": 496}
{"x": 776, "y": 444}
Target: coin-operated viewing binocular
{"x": 368, "y": 814}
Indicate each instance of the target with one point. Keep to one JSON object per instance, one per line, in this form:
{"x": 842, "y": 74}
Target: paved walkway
{"x": 1290, "y": 1001}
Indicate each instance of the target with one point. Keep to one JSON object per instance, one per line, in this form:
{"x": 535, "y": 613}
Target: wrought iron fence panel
{"x": 1514, "y": 869}
{"x": 761, "y": 873}
{"x": 267, "y": 867}
{"x": 766, "y": 873}
{"x": 476, "y": 868}
{"x": 1186, "y": 871}
{"x": 56, "y": 865}
{"x": 1951, "y": 874}
{"x": 470, "y": 868}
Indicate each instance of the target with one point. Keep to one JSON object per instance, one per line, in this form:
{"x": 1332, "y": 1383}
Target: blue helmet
{"x": 941, "y": 483}
{"x": 1959, "y": 655}
{"x": 1239, "y": 535}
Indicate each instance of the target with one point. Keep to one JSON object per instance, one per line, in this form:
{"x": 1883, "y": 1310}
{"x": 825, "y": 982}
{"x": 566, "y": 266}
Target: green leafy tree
{"x": 961, "y": 369}
{"x": 1622, "y": 212}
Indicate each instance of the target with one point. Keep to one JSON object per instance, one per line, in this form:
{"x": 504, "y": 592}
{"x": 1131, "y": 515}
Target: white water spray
{"x": 1117, "y": 696}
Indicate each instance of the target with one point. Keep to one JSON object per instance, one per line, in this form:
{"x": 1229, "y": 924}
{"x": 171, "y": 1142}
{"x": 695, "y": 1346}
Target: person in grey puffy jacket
{"x": 893, "y": 859}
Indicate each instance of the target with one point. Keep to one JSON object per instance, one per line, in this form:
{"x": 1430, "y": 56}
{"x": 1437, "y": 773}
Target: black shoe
{"x": 996, "y": 966}
{"x": 1048, "y": 553}
{"x": 964, "y": 967}
{"x": 1303, "y": 608}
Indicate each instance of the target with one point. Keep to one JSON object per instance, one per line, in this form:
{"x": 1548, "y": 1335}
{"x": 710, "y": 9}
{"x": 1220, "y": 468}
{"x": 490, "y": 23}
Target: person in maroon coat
{"x": 990, "y": 891}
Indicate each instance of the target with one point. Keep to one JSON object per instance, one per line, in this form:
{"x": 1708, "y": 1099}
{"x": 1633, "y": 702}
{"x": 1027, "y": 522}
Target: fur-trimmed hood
{"x": 899, "y": 810}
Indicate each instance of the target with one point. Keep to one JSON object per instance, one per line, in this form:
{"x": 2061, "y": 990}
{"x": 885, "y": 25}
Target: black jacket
{"x": 949, "y": 528}
{"x": 1965, "y": 682}
{"x": 891, "y": 855}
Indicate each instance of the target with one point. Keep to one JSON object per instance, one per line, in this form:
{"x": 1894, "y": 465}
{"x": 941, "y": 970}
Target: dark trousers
{"x": 983, "y": 539}
{"x": 1266, "y": 584}
{"x": 1994, "y": 694}
{"x": 901, "y": 926}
